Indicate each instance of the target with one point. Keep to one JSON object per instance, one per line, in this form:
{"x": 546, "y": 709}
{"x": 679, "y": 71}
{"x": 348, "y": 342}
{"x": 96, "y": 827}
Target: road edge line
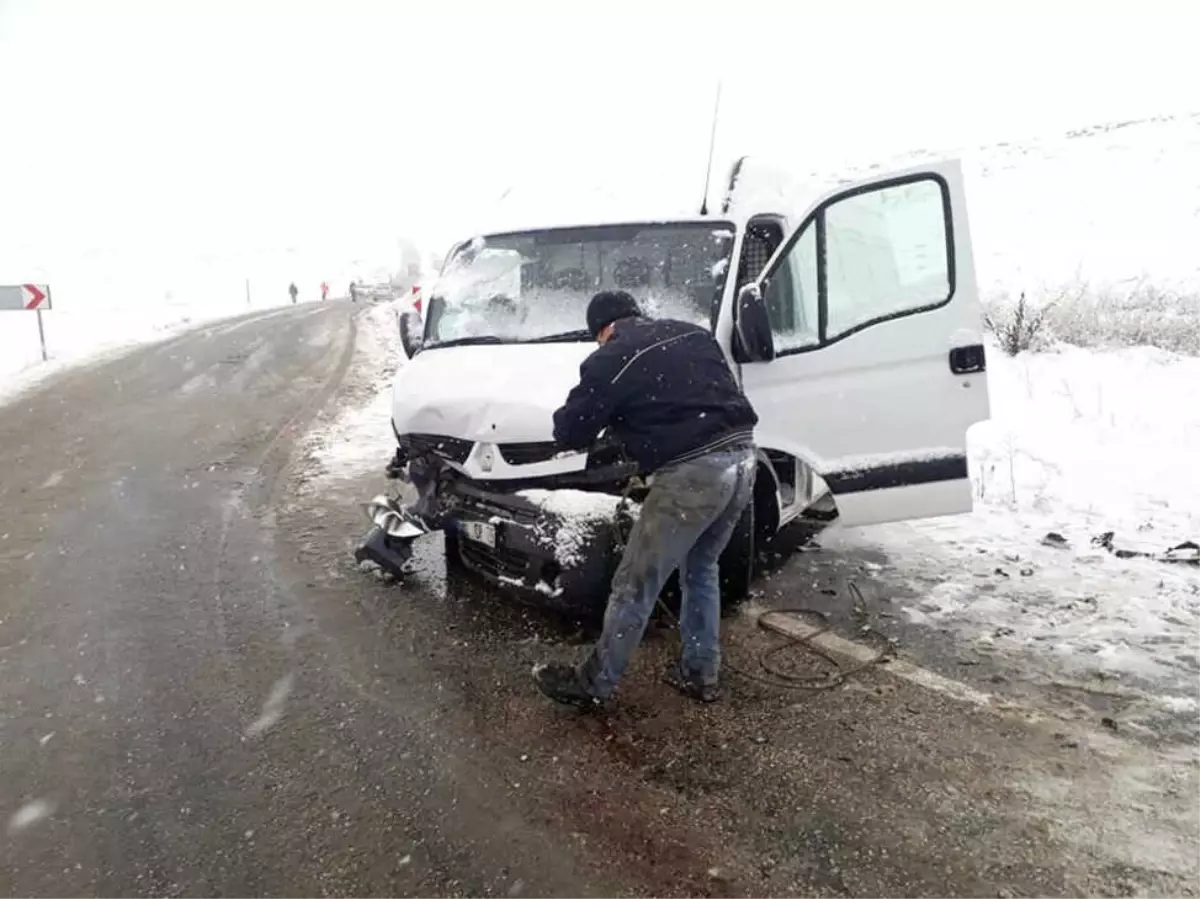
{"x": 862, "y": 654}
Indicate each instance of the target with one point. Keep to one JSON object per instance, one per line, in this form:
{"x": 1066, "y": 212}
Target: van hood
{"x": 505, "y": 393}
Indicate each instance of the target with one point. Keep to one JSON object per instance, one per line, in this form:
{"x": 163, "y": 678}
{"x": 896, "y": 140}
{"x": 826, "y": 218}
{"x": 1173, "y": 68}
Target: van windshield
{"x": 535, "y": 286}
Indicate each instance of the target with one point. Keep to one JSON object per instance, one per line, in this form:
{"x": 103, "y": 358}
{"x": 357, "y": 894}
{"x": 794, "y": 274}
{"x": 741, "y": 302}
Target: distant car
{"x": 379, "y": 292}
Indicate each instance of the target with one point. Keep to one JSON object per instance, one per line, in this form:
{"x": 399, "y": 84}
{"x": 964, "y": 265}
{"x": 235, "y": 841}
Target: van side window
{"x": 791, "y": 292}
{"x": 862, "y": 258}
{"x": 791, "y": 295}
{"x": 886, "y": 254}
{"x": 762, "y": 239}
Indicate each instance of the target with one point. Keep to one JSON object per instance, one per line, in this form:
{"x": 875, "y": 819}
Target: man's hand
{"x": 589, "y": 405}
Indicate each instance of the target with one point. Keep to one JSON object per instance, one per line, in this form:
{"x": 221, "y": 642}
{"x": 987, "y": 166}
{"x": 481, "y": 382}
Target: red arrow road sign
{"x": 34, "y": 294}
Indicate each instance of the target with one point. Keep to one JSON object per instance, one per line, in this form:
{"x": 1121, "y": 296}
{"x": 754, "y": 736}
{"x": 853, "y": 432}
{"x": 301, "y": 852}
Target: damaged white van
{"x": 854, "y": 328}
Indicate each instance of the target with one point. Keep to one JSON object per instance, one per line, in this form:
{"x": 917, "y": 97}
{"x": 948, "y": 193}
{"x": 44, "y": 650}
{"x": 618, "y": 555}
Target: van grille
{"x": 480, "y": 505}
{"x": 497, "y": 563}
{"x": 528, "y": 453}
{"x": 452, "y": 448}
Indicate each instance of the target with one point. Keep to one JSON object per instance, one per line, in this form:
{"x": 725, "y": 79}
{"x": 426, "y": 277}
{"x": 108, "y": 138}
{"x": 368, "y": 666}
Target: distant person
{"x": 293, "y": 290}
{"x": 353, "y": 292}
{"x": 324, "y": 290}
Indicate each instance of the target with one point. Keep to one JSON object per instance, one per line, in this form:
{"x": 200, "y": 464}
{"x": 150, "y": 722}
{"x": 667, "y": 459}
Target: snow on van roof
{"x": 758, "y": 186}
{"x": 519, "y": 225}
{"x": 717, "y": 223}
{"x": 639, "y": 199}
{"x": 753, "y": 186}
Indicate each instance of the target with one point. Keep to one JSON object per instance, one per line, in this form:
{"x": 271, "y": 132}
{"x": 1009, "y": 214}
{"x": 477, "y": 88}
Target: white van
{"x": 855, "y": 329}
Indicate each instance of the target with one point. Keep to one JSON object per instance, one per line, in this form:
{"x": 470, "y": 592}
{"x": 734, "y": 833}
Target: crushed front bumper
{"x": 527, "y": 547}
{"x": 389, "y": 553}
{"x": 513, "y": 537}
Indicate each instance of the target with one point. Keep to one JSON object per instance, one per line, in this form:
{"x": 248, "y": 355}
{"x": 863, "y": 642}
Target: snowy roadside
{"x": 1080, "y": 443}
{"x": 359, "y": 438}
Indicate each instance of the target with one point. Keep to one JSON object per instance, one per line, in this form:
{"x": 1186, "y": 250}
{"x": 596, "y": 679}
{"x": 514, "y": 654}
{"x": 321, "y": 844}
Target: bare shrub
{"x": 1143, "y": 315}
{"x": 1018, "y": 326}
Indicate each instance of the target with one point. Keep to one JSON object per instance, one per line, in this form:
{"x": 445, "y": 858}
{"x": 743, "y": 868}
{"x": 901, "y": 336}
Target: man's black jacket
{"x": 664, "y": 388}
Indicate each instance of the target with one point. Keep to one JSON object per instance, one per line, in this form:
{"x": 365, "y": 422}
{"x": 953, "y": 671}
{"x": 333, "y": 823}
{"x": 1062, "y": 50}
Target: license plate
{"x": 480, "y": 533}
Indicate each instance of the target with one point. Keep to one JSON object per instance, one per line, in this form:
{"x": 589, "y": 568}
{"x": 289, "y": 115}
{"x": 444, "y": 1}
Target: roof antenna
{"x": 712, "y": 142}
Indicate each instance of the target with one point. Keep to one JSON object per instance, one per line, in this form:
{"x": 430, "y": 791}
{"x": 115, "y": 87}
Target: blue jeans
{"x": 685, "y": 523}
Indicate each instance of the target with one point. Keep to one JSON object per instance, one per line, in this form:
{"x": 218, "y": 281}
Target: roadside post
{"x": 35, "y": 297}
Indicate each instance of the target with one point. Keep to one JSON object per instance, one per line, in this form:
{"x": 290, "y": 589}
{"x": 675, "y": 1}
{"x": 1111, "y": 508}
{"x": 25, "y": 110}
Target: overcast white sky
{"x": 173, "y": 128}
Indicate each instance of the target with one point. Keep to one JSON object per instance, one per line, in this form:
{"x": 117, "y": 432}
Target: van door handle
{"x": 965, "y": 360}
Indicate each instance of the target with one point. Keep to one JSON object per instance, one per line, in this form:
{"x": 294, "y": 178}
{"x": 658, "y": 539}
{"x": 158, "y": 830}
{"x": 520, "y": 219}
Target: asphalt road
{"x": 201, "y": 695}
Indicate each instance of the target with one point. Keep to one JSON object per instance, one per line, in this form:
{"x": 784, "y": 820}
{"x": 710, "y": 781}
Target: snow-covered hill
{"x": 1109, "y": 205}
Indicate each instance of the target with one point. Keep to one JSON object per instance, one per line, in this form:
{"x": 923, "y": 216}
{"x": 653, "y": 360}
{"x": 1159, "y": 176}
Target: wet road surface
{"x": 201, "y": 694}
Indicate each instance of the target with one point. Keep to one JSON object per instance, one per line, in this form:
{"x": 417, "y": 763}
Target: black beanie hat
{"x": 609, "y": 306}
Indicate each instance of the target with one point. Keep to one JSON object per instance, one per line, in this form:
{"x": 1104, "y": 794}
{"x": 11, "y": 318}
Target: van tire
{"x": 737, "y": 561}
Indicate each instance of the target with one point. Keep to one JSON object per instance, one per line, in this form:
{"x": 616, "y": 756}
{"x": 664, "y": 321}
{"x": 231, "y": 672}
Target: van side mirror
{"x": 752, "y": 339}
{"x": 411, "y": 336}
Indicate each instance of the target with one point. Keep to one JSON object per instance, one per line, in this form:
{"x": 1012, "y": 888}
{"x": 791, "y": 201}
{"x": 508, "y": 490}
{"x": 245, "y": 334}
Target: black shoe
{"x": 691, "y": 688}
{"x": 562, "y": 683}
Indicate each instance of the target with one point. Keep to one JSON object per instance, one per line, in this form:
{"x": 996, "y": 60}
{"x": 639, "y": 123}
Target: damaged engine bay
{"x": 558, "y": 538}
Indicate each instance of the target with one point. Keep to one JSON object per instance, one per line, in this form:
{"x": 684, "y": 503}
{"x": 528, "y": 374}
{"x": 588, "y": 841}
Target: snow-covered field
{"x": 1080, "y": 443}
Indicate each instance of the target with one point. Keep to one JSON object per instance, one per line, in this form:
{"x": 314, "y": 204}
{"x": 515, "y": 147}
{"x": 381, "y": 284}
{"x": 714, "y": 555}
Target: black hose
{"x": 788, "y": 680}
{"x": 780, "y": 678}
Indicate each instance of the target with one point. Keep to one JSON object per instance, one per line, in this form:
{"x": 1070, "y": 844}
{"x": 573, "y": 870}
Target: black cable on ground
{"x": 780, "y": 678}
{"x": 788, "y": 680}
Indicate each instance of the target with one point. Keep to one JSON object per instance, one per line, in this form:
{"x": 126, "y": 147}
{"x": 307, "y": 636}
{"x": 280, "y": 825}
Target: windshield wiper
{"x": 466, "y": 341}
{"x": 566, "y": 337}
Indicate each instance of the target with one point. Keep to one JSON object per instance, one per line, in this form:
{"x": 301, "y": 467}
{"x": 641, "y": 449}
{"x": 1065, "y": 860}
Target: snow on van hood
{"x": 499, "y": 393}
